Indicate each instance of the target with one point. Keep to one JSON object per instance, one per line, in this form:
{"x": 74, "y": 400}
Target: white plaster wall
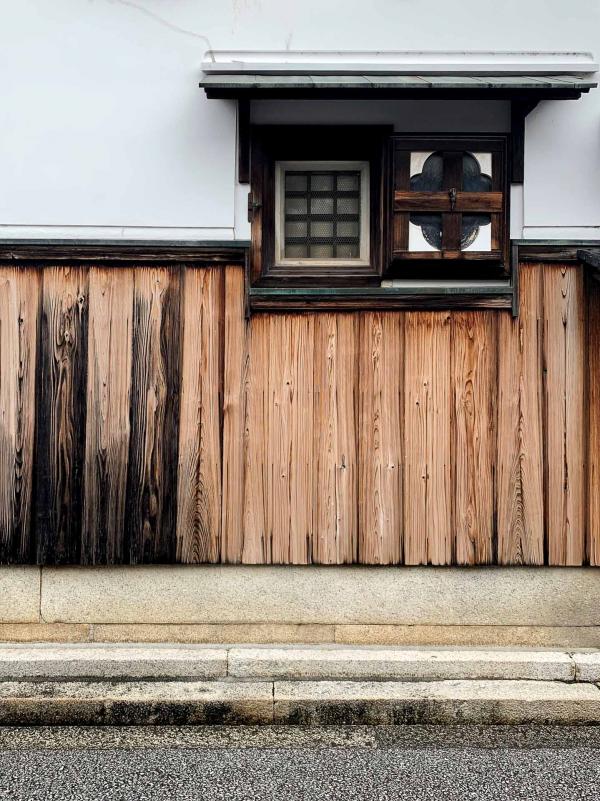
{"x": 104, "y": 131}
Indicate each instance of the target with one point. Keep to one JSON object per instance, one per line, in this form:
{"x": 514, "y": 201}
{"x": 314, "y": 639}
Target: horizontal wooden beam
{"x": 440, "y": 201}
{"x": 125, "y": 252}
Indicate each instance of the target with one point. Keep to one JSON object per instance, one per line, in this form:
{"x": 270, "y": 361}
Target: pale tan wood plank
{"x": 519, "y": 488}
{"x": 256, "y": 537}
{"x": 107, "y": 423}
{"x": 289, "y": 438}
{"x": 593, "y": 410}
{"x": 335, "y": 539}
{"x": 199, "y": 466}
{"x": 235, "y": 366}
{"x": 380, "y": 427}
{"x": 474, "y": 349}
{"x": 564, "y": 354}
{"x": 19, "y": 307}
{"x": 427, "y": 439}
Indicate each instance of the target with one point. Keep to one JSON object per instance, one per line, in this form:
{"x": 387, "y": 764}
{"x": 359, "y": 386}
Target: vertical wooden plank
{"x": 257, "y": 539}
{"x": 152, "y": 466}
{"x": 19, "y": 302}
{"x": 199, "y": 471}
{"x": 427, "y": 440}
{"x": 519, "y": 488}
{"x": 474, "y": 348}
{"x": 380, "y": 427}
{"x": 290, "y": 436}
{"x": 61, "y": 414}
{"x": 335, "y": 500}
{"x": 235, "y": 366}
{"x": 564, "y": 354}
{"x": 593, "y": 410}
{"x": 107, "y": 424}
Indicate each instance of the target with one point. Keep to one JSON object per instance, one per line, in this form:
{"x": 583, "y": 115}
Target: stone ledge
{"x": 20, "y": 594}
{"x": 444, "y": 702}
{"x": 321, "y": 595}
{"x": 339, "y": 662}
{"x": 97, "y": 661}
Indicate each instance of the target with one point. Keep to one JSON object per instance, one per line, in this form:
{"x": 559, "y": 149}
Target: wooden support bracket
{"x": 519, "y": 109}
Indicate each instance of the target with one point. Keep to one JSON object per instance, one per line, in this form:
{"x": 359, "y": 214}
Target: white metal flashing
{"x": 398, "y": 62}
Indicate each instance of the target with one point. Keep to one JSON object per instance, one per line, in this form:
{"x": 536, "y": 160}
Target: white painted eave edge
{"x": 330, "y": 62}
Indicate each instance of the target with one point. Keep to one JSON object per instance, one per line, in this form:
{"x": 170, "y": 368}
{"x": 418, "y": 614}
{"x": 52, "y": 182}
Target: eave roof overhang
{"x": 434, "y": 87}
{"x": 502, "y": 76}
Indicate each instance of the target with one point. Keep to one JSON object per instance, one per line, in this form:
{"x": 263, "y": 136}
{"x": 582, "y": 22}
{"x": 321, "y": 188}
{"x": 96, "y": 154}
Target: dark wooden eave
{"x": 446, "y": 87}
{"x": 122, "y": 251}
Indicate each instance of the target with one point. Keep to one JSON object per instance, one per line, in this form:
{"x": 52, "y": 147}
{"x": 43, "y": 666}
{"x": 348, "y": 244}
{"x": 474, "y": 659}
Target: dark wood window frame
{"x": 271, "y": 144}
{"x": 279, "y": 286}
{"x": 451, "y": 202}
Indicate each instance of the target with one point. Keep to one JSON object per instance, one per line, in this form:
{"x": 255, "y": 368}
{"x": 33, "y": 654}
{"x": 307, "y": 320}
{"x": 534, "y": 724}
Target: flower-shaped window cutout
{"x": 430, "y": 179}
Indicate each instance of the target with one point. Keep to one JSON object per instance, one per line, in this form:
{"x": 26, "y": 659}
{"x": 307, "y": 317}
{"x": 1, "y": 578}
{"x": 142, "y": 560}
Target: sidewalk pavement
{"x": 125, "y": 684}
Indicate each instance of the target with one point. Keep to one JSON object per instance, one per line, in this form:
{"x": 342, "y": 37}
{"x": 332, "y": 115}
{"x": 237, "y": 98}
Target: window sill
{"x": 396, "y": 294}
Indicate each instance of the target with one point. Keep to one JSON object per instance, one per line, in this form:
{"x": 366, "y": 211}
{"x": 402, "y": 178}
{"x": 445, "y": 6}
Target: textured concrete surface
{"x": 301, "y": 764}
{"x": 297, "y": 702}
{"x": 96, "y": 660}
{"x": 19, "y": 594}
{"x": 215, "y": 633}
{"x": 587, "y": 666}
{"x": 134, "y": 703}
{"x": 444, "y": 702}
{"x": 326, "y": 595}
{"x": 400, "y": 663}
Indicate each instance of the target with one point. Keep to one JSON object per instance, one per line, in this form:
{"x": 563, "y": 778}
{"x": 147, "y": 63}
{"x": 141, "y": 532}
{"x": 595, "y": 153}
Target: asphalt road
{"x": 504, "y": 763}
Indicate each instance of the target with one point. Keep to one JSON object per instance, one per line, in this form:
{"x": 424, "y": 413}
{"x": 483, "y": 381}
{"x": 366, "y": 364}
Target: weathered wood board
{"x": 144, "y": 418}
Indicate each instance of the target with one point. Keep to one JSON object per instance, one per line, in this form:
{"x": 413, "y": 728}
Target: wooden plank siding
{"x": 144, "y": 418}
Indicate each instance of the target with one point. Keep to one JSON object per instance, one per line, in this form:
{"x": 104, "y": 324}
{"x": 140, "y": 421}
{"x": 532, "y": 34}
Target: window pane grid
{"x": 322, "y": 214}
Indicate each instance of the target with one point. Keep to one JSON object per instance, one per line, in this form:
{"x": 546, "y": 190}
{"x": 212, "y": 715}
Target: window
{"x": 359, "y": 206}
{"x": 316, "y": 205}
{"x": 449, "y": 200}
{"x": 321, "y": 213}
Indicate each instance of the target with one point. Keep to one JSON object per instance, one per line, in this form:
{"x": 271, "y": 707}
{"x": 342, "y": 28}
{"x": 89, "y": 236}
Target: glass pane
{"x": 296, "y": 228}
{"x": 476, "y": 233}
{"x": 321, "y": 205}
{"x": 425, "y": 232}
{"x": 474, "y": 179}
{"x": 430, "y": 177}
{"x": 321, "y": 182}
{"x": 321, "y": 251}
{"x": 296, "y": 182}
{"x": 322, "y": 214}
{"x": 348, "y": 205}
{"x": 348, "y": 182}
{"x": 347, "y": 251}
{"x": 320, "y": 229}
{"x": 295, "y": 205}
{"x": 296, "y": 251}
{"x": 345, "y": 229}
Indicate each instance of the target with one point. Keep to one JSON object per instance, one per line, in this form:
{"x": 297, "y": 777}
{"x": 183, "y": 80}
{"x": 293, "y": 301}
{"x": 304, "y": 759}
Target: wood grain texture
{"x": 520, "y": 484}
{"x": 235, "y": 368}
{"x": 564, "y": 353}
{"x": 152, "y": 463}
{"x": 428, "y": 520}
{"x": 19, "y": 302}
{"x": 593, "y": 429}
{"x": 199, "y": 470}
{"x": 380, "y": 436}
{"x": 61, "y": 414}
{"x": 289, "y": 438}
{"x": 335, "y": 501}
{"x": 474, "y": 348}
{"x": 257, "y": 540}
{"x": 107, "y": 424}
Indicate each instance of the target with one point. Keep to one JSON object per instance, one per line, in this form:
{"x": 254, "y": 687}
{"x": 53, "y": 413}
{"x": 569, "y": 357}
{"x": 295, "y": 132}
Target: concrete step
{"x": 318, "y": 662}
{"x": 297, "y": 702}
